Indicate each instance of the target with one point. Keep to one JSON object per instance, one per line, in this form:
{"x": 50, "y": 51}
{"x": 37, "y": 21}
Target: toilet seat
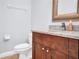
{"x": 21, "y": 47}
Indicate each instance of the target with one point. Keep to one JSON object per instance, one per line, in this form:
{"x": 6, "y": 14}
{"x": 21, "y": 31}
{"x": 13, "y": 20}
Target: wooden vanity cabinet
{"x": 46, "y": 46}
{"x": 16, "y": 56}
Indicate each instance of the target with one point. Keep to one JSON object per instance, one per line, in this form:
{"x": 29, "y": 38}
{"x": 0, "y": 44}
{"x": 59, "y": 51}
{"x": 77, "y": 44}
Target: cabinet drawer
{"x": 42, "y": 39}
{"x": 46, "y": 40}
{"x": 36, "y": 37}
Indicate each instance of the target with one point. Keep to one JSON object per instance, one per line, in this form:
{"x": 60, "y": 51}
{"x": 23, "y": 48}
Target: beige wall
{"x": 42, "y": 15}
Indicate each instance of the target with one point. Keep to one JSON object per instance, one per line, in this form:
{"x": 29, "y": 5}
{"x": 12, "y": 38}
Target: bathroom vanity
{"x": 55, "y": 45}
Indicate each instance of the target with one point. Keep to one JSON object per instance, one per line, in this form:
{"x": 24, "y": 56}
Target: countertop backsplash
{"x": 59, "y": 27}
{"x": 75, "y": 27}
{"x": 55, "y": 28}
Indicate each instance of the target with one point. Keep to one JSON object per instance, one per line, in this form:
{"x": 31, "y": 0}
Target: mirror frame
{"x": 64, "y": 16}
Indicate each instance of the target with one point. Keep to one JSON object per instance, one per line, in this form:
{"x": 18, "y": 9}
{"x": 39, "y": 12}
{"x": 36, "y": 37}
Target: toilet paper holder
{"x": 6, "y": 37}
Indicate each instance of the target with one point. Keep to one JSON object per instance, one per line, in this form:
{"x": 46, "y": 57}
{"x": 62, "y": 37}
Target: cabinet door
{"x": 61, "y": 44}
{"x": 60, "y": 47}
{"x": 39, "y": 51}
{"x": 73, "y": 49}
{"x": 60, "y": 55}
{"x": 49, "y": 54}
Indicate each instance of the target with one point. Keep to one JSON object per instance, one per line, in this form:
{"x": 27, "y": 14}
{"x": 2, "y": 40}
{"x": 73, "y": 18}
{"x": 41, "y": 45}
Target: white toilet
{"x": 23, "y": 48}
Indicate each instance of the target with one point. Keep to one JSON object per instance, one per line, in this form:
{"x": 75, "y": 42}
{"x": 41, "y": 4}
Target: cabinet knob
{"x": 47, "y": 50}
{"x": 43, "y": 48}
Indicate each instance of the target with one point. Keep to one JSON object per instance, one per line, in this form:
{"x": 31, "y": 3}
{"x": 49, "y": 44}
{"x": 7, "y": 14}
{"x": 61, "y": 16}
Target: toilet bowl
{"x": 24, "y": 49}
{"x": 21, "y": 48}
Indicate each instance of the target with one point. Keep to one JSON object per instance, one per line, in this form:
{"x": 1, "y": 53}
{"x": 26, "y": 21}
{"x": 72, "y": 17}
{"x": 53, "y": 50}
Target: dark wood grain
{"x": 54, "y": 47}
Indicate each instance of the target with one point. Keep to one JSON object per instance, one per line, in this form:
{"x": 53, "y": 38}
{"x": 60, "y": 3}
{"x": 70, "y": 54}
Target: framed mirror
{"x": 65, "y": 9}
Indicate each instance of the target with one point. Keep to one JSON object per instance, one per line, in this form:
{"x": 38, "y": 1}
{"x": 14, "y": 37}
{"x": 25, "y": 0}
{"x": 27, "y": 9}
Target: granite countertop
{"x": 72, "y": 34}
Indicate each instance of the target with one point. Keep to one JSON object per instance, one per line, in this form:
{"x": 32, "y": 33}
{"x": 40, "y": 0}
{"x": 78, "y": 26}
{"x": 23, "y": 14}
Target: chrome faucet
{"x": 63, "y": 26}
